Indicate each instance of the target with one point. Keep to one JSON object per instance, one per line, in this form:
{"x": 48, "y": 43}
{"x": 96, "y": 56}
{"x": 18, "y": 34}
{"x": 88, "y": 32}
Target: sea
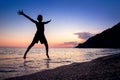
{"x": 12, "y": 63}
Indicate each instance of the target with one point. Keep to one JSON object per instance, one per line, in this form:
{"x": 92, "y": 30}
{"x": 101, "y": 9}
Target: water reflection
{"x": 25, "y": 67}
{"x": 47, "y": 63}
{"x": 38, "y": 65}
{"x": 37, "y": 61}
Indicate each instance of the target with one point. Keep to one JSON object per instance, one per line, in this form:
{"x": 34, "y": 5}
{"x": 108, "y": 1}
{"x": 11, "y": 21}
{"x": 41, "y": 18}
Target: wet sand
{"x": 104, "y": 68}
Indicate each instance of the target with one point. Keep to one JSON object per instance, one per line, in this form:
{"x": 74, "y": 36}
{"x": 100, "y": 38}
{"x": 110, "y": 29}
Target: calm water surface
{"x": 12, "y": 64}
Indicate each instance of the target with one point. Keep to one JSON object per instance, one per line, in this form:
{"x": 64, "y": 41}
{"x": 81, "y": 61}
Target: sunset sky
{"x": 73, "y": 21}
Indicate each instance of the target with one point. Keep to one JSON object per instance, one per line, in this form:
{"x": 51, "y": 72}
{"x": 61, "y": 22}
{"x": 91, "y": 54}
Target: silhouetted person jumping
{"x": 39, "y": 36}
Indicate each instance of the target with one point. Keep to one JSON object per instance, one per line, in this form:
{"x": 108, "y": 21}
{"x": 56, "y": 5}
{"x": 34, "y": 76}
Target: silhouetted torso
{"x": 40, "y": 27}
{"x": 40, "y": 33}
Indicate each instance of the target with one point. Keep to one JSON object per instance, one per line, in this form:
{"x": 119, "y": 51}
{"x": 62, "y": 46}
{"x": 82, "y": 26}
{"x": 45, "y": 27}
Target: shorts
{"x": 40, "y": 38}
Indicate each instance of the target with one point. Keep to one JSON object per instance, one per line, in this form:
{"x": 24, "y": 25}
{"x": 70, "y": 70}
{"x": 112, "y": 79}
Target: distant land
{"x": 109, "y": 38}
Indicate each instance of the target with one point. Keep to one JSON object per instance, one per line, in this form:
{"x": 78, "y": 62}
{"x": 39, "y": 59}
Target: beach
{"x": 103, "y": 68}
{"x": 12, "y": 63}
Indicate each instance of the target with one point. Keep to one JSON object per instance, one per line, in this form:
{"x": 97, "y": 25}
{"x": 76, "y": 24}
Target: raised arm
{"x": 47, "y": 21}
{"x": 22, "y": 13}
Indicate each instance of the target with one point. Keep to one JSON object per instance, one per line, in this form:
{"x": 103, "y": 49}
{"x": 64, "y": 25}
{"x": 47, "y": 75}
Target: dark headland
{"x": 109, "y": 38}
{"x": 104, "y": 68}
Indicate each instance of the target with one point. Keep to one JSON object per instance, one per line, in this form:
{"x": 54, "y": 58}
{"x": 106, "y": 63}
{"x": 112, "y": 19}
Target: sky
{"x": 73, "y": 21}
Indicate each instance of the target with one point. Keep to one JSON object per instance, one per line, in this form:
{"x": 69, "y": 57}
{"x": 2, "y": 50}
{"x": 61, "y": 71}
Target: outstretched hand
{"x": 20, "y": 12}
{"x": 50, "y": 20}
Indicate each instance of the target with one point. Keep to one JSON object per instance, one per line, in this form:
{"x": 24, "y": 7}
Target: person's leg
{"x": 46, "y": 46}
{"x": 30, "y": 46}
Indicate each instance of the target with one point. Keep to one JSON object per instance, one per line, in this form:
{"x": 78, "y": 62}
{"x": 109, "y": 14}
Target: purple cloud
{"x": 71, "y": 43}
{"x": 84, "y": 35}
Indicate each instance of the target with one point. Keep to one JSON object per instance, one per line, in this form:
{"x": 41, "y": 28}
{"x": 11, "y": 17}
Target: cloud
{"x": 84, "y": 35}
{"x": 74, "y": 43}
{"x": 81, "y": 35}
{"x": 67, "y": 44}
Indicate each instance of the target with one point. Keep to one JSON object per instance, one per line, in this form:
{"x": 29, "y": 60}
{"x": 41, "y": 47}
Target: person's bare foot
{"x": 24, "y": 57}
{"x": 48, "y": 56}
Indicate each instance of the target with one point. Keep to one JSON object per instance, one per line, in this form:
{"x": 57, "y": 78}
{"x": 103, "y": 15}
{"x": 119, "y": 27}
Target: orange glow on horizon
{"x": 8, "y": 43}
{"x": 53, "y": 40}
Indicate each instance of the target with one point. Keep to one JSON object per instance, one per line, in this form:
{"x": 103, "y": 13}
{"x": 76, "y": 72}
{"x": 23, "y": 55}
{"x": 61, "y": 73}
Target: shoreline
{"x": 103, "y": 68}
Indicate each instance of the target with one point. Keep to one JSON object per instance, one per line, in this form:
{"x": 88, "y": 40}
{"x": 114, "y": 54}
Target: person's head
{"x": 40, "y": 18}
